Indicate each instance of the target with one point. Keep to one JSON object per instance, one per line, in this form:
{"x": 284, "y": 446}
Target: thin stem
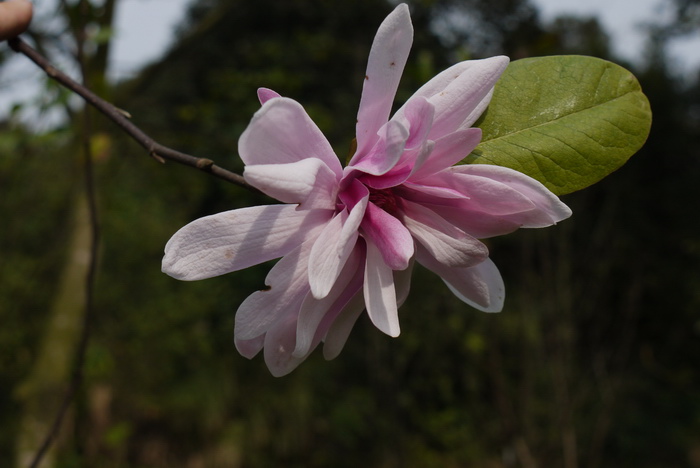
{"x": 121, "y": 118}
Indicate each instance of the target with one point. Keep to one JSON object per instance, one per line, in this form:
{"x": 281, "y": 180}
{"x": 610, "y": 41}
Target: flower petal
{"x": 315, "y": 311}
{"x": 389, "y": 235}
{"x": 548, "y": 208}
{"x": 265, "y": 94}
{"x": 287, "y": 285}
{"x": 460, "y": 93}
{"x": 402, "y": 283}
{"x": 448, "y": 151}
{"x": 418, "y": 118}
{"x": 279, "y": 346}
{"x": 332, "y": 248}
{"x": 308, "y": 182}
{"x": 387, "y": 59}
{"x": 379, "y": 292}
{"x": 249, "y": 348}
{"x": 282, "y": 132}
{"x": 480, "y": 286}
{"x": 385, "y": 153}
{"x": 481, "y": 193}
{"x": 447, "y": 244}
{"x": 233, "y": 240}
{"x": 342, "y": 326}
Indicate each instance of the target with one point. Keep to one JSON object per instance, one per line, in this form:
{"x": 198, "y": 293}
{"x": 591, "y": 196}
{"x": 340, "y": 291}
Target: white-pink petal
{"x": 480, "y": 286}
{"x": 379, "y": 292}
{"x": 265, "y": 94}
{"x": 286, "y": 286}
{"x": 249, "y": 348}
{"x": 389, "y": 235}
{"x": 551, "y": 209}
{"x": 386, "y": 152}
{"x": 279, "y": 346}
{"x": 342, "y": 326}
{"x": 233, "y": 240}
{"x": 308, "y": 182}
{"x": 332, "y": 249}
{"x": 385, "y": 65}
{"x": 314, "y": 311}
{"x": 481, "y": 193}
{"x": 448, "y": 244}
{"x": 282, "y": 132}
{"x": 448, "y": 151}
{"x": 461, "y": 93}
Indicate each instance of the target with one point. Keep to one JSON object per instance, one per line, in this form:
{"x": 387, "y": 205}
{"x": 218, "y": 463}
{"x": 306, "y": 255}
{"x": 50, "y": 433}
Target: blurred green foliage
{"x": 592, "y": 363}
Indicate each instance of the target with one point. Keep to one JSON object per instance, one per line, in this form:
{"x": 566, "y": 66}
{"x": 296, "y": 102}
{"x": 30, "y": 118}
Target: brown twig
{"x": 118, "y": 116}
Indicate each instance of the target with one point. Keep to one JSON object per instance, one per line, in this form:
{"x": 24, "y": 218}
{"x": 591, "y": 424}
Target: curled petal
{"x": 387, "y": 59}
{"x": 233, "y": 240}
{"x": 282, "y": 132}
{"x": 480, "y": 286}
{"x": 308, "y": 182}
{"x": 379, "y": 292}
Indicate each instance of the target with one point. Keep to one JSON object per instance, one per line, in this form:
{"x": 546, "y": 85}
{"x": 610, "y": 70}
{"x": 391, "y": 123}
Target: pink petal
{"x": 548, "y": 208}
{"x": 478, "y": 224}
{"x": 342, "y": 326}
{"x": 448, "y": 151}
{"x": 279, "y": 346}
{"x": 249, "y": 348}
{"x": 313, "y": 311}
{"x": 379, "y": 292}
{"x": 462, "y": 101}
{"x": 480, "y": 286}
{"x": 481, "y": 193}
{"x": 385, "y": 153}
{"x": 418, "y": 117}
{"x": 387, "y": 59}
{"x": 402, "y": 283}
{"x": 308, "y": 182}
{"x": 287, "y": 285}
{"x": 389, "y": 235}
{"x": 282, "y": 132}
{"x": 265, "y": 94}
{"x": 446, "y": 243}
{"x": 332, "y": 249}
{"x": 233, "y": 240}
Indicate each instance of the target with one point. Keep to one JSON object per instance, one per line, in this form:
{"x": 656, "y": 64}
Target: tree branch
{"x": 159, "y": 152}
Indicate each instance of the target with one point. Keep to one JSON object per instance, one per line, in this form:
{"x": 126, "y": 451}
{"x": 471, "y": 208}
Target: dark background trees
{"x": 592, "y": 363}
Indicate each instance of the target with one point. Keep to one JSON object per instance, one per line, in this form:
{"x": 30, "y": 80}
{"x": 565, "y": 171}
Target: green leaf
{"x": 567, "y": 121}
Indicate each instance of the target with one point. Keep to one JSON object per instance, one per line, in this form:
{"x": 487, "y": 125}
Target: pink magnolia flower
{"x": 349, "y": 237}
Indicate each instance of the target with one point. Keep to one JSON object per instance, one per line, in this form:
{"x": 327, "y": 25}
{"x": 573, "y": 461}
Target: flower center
{"x": 384, "y": 199}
